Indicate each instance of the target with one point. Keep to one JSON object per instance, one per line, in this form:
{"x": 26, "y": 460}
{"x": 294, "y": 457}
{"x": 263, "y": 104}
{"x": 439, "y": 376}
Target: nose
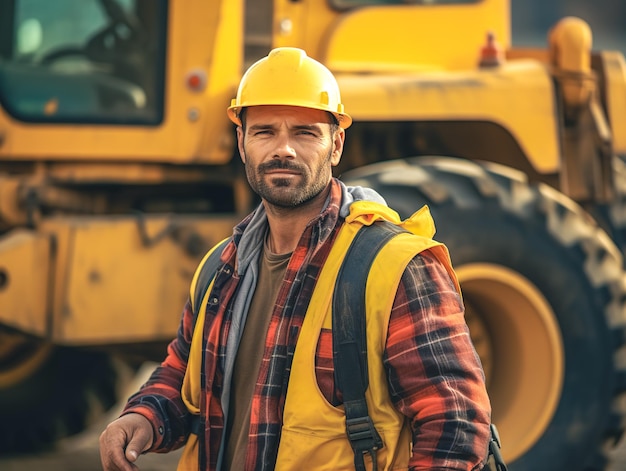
{"x": 284, "y": 146}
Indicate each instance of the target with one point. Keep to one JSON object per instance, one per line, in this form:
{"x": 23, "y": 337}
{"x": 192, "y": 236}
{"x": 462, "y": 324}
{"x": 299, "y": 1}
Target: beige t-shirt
{"x": 248, "y": 359}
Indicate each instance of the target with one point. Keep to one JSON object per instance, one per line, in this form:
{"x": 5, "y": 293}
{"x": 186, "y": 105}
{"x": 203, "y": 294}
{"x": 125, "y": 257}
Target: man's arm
{"x": 434, "y": 373}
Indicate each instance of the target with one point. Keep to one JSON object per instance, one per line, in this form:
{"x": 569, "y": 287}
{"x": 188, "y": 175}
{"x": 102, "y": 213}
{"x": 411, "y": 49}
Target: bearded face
{"x": 289, "y": 153}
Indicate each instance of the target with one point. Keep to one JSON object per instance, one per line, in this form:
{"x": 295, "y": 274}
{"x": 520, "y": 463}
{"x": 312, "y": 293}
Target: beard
{"x": 283, "y": 192}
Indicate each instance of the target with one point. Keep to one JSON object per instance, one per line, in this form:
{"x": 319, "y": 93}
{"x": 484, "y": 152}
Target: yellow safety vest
{"x": 313, "y": 435}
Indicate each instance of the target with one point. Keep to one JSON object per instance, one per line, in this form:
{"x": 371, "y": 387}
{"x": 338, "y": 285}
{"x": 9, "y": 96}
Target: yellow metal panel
{"x": 303, "y": 24}
{"x": 391, "y": 37}
{"x": 24, "y": 270}
{"x": 517, "y": 96}
{"x": 205, "y": 37}
{"x": 225, "y": 70}
{"x": 117, "y": 287}
{"x": 417, "y": 36}
{"x": 615, "y": 76}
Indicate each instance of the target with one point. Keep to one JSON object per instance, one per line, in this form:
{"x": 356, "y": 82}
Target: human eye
{"x": 261, "y": 132}
{"x": 309, "y": 132}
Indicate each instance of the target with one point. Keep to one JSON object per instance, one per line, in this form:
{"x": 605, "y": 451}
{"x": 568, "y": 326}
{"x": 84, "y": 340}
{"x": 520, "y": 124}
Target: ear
{"x": 338, "y": 140}
{"x": 240, "y": 136}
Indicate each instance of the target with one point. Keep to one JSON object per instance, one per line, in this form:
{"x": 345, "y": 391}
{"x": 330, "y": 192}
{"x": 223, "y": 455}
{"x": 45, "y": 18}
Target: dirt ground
{"x": 81, "y": 453}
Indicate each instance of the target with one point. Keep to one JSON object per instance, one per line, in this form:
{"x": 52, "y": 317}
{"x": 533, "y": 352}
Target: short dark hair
{"x": 242, "y": 117}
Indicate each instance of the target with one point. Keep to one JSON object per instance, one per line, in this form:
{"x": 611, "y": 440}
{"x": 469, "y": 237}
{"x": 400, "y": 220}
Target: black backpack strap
{"x": 349, "y": 337}
{"x": 350, "y": 345}
{"x": 206, "y": 275}
{"x": 495, "y": 461}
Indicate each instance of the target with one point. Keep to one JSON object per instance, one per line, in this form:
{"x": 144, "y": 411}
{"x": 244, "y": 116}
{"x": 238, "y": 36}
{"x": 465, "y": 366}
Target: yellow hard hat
{"x": 287, "y": 76}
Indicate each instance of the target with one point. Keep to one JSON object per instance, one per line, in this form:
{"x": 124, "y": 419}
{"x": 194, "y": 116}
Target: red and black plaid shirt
{"x": 434, "y": 375}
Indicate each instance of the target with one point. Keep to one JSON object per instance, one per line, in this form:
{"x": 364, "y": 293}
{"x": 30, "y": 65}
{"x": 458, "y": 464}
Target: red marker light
{"x": 196, "y": 80}
{"x": 491, "y": 54}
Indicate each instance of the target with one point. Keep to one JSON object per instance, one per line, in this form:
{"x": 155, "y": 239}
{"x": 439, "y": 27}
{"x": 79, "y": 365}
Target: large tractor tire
{"x": 48, "y": 393}
{"x": 544, "y": 295}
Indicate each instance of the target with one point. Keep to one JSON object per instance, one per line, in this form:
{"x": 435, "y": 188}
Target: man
{"x": 258, "y": 371}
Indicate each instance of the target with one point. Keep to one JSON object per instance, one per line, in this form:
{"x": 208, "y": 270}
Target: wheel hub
{"x": 517, "y": 337}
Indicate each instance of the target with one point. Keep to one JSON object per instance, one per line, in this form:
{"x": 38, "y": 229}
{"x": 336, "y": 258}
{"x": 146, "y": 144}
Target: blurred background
{"x": 177, "y": 158}
{"x": 530, "y": 20}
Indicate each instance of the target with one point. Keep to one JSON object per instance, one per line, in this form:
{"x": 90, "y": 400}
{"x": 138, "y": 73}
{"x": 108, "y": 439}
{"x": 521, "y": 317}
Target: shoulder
{"x": 426, "y": 276}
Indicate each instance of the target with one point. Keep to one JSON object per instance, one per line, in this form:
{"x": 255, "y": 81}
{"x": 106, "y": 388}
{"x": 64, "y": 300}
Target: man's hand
{"x": 123, "y": 441}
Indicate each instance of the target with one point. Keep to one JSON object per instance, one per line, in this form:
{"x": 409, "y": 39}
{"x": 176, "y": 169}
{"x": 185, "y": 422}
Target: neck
{"x": 286, "y": 225}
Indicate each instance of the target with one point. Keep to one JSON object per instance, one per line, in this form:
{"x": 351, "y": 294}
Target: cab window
{"x": 83, "y": 61}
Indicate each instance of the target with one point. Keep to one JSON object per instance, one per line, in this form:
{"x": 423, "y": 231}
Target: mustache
{"x": 279, "y": 165}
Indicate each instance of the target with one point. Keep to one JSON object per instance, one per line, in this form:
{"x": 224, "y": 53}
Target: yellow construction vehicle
{"x": 118, "y": 169}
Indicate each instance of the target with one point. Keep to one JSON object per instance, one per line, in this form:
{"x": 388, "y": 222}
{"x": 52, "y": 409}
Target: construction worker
{"x": 252, "y": 387}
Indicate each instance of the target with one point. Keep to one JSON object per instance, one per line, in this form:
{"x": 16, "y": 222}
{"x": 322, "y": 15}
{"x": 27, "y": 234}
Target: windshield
{"x": 83, "y": 61}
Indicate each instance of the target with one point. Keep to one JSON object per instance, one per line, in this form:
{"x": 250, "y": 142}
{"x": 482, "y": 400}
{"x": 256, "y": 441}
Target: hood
{"x": 367, "y": 212}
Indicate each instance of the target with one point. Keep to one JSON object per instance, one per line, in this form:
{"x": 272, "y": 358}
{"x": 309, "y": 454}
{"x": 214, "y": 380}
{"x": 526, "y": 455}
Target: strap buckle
{"x": 364, "y": 438}
{"x": 362, "y": 434}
